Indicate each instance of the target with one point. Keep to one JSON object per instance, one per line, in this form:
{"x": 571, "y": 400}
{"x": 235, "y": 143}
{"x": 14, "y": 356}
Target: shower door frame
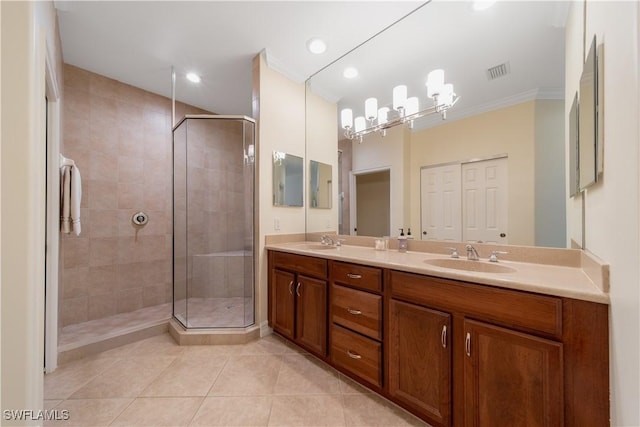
{"x": 243, "y": 119}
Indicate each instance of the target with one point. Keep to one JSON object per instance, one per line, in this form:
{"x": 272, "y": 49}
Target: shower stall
{"x": 213, "y": 221}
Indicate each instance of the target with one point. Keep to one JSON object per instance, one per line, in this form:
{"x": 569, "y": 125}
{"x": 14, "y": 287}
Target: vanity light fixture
{"x": 316, "y": 45}
{"x": 193, "y": 78}
{"x": 406, "y": 109}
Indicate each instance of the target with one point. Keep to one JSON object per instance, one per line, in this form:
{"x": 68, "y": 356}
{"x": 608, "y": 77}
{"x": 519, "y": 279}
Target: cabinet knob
{"x": 298, "y": 288}
{"x": 291, "y": 287}
{"x": 354, "y": 312}
{"x": 354, "y": 276}
{"x": 353, "y": 355}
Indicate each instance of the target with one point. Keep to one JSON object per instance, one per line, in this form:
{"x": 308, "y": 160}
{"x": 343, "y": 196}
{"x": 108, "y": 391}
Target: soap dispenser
{"x": 409, "y": 236}
{"x": 402, "y": 241}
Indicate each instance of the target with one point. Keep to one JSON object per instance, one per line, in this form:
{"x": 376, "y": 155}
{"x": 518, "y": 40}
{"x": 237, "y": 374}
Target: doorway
{"x": 371, "y": 203}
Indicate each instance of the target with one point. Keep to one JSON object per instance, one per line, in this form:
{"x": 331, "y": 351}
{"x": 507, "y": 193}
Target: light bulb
{"x": 360, "y": 124}
{"x": 413, "y": 106}
{"x": 435, "y": 81}
{"x": 383, "y": 115}
{"x": 446, "y": 97}
{"x": 371, "y": 108}
{"x": 399, "y": 97}
{"x": 346, "y": 118}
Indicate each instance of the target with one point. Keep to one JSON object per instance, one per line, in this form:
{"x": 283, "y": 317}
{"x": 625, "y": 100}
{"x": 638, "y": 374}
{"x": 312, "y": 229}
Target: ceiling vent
{"x": 498, "y": 71}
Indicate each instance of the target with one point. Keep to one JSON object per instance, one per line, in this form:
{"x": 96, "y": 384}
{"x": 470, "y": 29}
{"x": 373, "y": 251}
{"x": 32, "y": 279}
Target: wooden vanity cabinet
{"x": 511, "y": 378}
{"x": 355, "y": 332}
{"x": 453, "y": 353}
{"x": 419, "y": 362}
{"x": 298, "y": 300}
{"x": 517, "y": 358}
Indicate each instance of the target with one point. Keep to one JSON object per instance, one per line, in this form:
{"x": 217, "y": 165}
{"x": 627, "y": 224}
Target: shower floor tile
{"x": 268, "y": 382}
{"x": 216, "y": 312}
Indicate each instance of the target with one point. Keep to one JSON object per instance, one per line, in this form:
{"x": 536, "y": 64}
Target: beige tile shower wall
{"x": 120, "y": 138}
{"x": 216, "y": 208}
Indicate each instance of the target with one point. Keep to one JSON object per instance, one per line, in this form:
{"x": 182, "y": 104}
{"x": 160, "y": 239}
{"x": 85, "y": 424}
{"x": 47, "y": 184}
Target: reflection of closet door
{"x": 440, "y": 203}
{"x": 484, "y": 201}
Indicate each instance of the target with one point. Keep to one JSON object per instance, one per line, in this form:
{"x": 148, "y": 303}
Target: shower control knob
{"x": 140, "y": 218}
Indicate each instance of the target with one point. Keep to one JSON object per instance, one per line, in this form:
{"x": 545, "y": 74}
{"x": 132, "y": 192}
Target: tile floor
{"x": 267, "y": 382}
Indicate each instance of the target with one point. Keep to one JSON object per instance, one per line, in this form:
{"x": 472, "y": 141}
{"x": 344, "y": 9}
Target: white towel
{"x": 70, "y": 196}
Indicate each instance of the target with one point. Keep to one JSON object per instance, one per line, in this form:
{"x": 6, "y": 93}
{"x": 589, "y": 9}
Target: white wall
{"x": 279, "y": 108}
{"x": 611, "y": 206}
{"x": 322, "y": 146}
{"x": 27, "y": 28}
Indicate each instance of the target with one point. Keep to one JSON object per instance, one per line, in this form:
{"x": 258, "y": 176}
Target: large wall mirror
{"x": 507, "y": 65}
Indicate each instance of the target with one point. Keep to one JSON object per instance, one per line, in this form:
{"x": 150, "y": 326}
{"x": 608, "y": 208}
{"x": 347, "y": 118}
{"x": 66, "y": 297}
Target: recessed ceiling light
{"x": 350, "y": 72}
{"x": 483, "y": 4}
{"x": 193, "y": 77}
{"x": 316, "y": 45}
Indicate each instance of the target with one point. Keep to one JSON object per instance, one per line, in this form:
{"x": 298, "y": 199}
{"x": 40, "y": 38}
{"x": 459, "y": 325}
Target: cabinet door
{"x": 511, "y": 378}
{"x": 420, "y": 359}
{"x": 311, "y": 314}
{"x": 282, "y": 300}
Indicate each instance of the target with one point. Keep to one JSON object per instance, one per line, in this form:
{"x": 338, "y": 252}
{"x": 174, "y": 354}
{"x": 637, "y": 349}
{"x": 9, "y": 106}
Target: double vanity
{"x": 456, "y": 342}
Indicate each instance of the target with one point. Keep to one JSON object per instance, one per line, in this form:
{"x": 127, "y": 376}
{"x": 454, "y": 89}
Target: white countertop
{"x": 570, "y": 282}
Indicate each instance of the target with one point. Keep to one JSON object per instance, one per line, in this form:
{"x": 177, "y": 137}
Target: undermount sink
{"x": 318, "y": 246}
{"x": 466, "y": 265}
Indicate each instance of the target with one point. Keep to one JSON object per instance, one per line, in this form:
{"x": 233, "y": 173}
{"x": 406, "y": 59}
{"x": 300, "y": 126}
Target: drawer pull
{"x": 443, "y": 336}
{"x": 291, "y": 287}
{"x": 467, "y": 344}
{"x": 354, "y": 276}
{"x": 353, "y": 355}
{"x": 354, "y": 312}
{"x": 298, "y": 289}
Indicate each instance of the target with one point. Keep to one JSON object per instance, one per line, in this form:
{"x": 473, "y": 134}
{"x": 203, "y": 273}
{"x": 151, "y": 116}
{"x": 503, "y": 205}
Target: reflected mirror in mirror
{"x": 574, "y": 185}
{"x": 287, "y": 179}
{"x": 319, "y": 185}
{"x": 510, "y": 79}
{"x": 588, "y": 119}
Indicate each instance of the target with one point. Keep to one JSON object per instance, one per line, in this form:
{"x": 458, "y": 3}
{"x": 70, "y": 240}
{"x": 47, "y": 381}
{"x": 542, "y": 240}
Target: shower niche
{"x": 213, "y": 221}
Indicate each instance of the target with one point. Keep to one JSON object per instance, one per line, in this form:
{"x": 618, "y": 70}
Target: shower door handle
{"x": 291, "y": 287}
{"x": 298, "y": 289}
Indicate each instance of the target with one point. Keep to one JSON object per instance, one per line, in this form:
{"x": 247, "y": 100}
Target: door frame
{"x": 52, "y": 198}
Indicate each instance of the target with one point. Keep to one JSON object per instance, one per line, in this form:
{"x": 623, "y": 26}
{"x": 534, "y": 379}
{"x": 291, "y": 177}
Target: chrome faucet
{"x": 472, "y": 254}
{"x": 326, "y": 240}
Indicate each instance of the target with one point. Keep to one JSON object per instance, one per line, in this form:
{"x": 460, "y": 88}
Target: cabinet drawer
{"x": 316, "y": 267}
{"x": 357, "y": 354}
{"x": 357, "y": 310}
{"x": 357, "y": 276}
{"x": 523, "y": 310}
